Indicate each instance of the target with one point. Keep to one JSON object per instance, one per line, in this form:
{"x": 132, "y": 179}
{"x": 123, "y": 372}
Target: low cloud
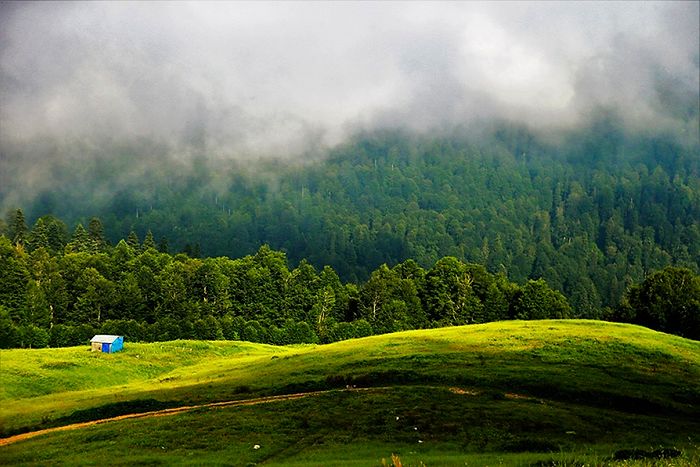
{"x": 282, "y": 79}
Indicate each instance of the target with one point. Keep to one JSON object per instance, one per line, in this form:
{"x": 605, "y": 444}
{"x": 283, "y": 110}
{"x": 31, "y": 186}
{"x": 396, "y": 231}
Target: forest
{"x": 59, "y": 291}
{"x": 591, "y": 211}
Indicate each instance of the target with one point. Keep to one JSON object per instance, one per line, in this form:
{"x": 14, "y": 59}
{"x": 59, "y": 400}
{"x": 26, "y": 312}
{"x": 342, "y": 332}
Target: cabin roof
{"x": 104, "y": 338}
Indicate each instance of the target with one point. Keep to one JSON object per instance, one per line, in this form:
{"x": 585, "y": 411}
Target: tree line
{"x": 592, "y": 213}
{"x": 59, "y": 290}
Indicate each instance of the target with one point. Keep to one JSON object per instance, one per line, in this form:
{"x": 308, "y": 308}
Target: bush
{"x": 34, "y": 337}
{"x": 207, "y": 328}
{"x": 298, "y": 332}
{"x": 536, "y": 300}
{"x": 341, "y": 331}
{"x": 9, "y": 335}
{"x": 362, "y": 328}
{"x": 82, "y": 334}
{"x": 229, "y": 328}
{"x": 165, "y": 329}
{"x": 61, "y": 335}
{"x": 253, "y": 331}
{"x": 667, "y": 300}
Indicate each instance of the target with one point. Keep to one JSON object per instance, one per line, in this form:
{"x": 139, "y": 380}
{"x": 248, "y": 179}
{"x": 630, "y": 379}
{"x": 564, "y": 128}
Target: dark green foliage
{"x": 207, "y": 328}
{"x": 80, "y": 241}
{"x": 14, "y": 277}
{"x": 133, "y": 241}
{"x": 449, "y": 296}
{"x": 536, "y": 300}
{"x": 96, "y": 234}
{"x": 132, "y": 330}
{"x": 48, "y": 233}
{"x": 9, "y": 335}
{"x": 54, "y": 297}
{"x": 16, "y": 227}
{"x": 33, "y": 337}
{"x": 165, "y": 329}
{"x": 667, "y": 300}
{"x": 149, "y": 242}
{"x": 298, "y": 332}
{"x": 62, "y": 335}
{"x": 592, "y": 213}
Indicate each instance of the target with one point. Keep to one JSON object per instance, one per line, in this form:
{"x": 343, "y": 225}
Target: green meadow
{"x": 507, "y": 393}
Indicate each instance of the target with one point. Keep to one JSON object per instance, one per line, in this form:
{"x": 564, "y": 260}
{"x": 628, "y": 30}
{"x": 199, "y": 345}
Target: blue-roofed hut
{"x": 106, "y": 343}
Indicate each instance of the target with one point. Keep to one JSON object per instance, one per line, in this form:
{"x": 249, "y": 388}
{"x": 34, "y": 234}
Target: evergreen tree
{"x": 163, "y": 246}
{"x": 95, "y": 302}
{"x": 39, "y": 236}
{"x": 133, "y": 241}
{"x": 80, "y": 241}
{"x": 9, "y": 335}
{"x": 14, "y": 276}
{"x": 149, "y": 242}
{"x": 56, "y": 233}
{"x": 38, "y": 311}
{"x": 96, "y": 234}
{"x": 17, "y": 227}
{"x": 448, "y": 294}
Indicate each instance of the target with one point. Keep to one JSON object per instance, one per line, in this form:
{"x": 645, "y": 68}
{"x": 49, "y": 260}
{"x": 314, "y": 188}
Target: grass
{"x": 509, "y": 393}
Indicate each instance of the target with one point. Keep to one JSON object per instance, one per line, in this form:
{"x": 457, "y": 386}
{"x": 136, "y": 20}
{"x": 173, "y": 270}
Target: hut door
{"x": 105, "y": 348}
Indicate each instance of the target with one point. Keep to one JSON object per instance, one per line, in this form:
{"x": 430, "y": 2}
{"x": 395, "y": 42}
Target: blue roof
{"x": 104, "y": 338}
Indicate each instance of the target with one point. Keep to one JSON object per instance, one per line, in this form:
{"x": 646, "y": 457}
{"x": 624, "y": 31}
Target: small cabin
{"x": 106, "y": 343}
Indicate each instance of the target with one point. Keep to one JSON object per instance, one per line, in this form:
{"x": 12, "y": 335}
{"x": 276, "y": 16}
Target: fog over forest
{"x": 250, "y": 77}
{"x": 554, "y": 141}
{"x": 249, "y": 80}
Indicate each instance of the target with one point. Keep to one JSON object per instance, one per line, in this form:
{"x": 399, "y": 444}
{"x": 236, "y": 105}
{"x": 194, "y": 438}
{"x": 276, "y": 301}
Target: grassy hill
{"x": 507, "y": 392}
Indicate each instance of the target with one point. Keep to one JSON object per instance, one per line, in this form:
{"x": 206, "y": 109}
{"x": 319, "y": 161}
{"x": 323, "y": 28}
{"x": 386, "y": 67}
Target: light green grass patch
{"x": 512, "y": 380}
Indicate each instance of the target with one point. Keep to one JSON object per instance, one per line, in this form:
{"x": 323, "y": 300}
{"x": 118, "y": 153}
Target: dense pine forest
{"x": 56, "y": 293}
{"x": 590, "y": 211}
{"x": 388, "y": 232}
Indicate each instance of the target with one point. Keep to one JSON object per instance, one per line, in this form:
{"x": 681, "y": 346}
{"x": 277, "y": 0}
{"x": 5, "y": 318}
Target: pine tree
{"x": 149, "y": 242}
{"x": 163, "y": 246}
{"x": 39, "y": 236}
{"x": 80, "y": 241}
{"x": 133, "y": 241}
{"x": 14, "y": 275}
{"x": 96, "y": 233}
{"x": 56, "y": 233}
{"x": 17, "y": 227}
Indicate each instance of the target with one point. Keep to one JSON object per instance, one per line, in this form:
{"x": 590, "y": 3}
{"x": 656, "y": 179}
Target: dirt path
{"x": 176, "y": 410}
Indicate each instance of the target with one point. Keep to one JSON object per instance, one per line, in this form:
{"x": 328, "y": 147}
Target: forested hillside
{"x": 62, "y": 297}
{"x": 591, "y": 211}
{"x": 58, "y": 292}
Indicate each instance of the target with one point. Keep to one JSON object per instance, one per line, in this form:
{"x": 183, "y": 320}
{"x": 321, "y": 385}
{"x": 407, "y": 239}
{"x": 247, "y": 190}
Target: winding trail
{"x": 184, "y": 408}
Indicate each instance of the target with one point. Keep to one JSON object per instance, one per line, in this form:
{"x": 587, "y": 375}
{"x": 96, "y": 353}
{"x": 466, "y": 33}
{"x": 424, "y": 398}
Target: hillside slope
{"x": 492, "y": 388}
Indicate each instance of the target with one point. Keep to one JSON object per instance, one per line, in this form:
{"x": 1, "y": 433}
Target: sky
{"x": 240, "y": 79}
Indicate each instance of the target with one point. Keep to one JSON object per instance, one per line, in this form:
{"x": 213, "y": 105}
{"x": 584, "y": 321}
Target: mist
{"x": 286, "y": 80}
{"x": 269, "y": 77}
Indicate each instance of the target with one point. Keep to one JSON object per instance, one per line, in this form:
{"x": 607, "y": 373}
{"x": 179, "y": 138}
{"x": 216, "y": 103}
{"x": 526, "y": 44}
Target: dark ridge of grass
{"x": 110, "y": 410}
{"x": 405, "y": 418}
{"x": 114, "y": 409}
{"x": 616, "y": 401}
{"x": 684, "y": 404}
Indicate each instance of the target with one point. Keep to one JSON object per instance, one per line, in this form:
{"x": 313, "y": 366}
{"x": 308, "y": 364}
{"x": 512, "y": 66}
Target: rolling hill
{"x": 508, "y": 392}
